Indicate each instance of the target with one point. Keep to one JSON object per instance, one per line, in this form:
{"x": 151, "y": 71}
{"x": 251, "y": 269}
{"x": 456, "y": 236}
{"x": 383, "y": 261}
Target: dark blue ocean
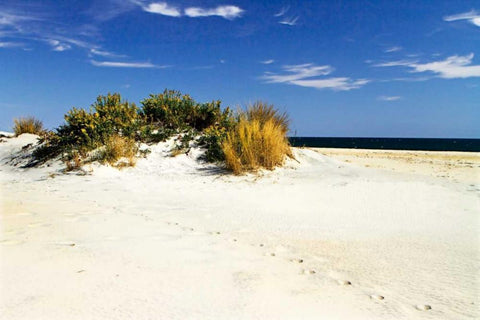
{"x": 472, "y": 145}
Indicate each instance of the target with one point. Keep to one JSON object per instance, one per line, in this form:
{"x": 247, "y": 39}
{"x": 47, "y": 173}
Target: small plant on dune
{"x": 258, "y": 140}
{"x": 27, "y": 125}
{"x": 116, "y": 148}
{"x": 73, "y": 161}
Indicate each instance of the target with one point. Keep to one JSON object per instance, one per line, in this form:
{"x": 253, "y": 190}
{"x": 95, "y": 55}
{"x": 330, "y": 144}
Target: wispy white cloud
{"x": 389, "y": 98}
{"x": 268, "y": 61}
{"x": 227, "y": 12}
{"x": 450, "y": 68}
{"x": 58, "y": 46}
{"x": 11, "y": 44}
{"x": 306, "y": 75}
{"x": 392, "y": 49}
{"x": 162, "y": 8}
{"x": 409, "y": 79}
{"x": 298, "y": 72}
{"x": 396, "y": 63}
{"x": 282, "y": 12}
{"x": 42, "y": 27}
{"x": 14, "y": 20}
{"x": 472, "y": 16}
{"x": 291, "y": 21}
{"x": 115, "y": 64}
{"x": 103, "y": 53}
{"x": 336, "y": 84}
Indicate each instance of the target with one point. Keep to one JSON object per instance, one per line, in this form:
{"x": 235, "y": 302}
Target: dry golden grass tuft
{"x": 74, "y": 163}
{"x": 176, "y": 152}
{"x": 258, "y": 140}
{"x": 117, "y": 147}
{"x": 27, "y": 125}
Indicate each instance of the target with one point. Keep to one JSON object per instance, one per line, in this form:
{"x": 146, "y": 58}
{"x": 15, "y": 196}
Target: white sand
{"x": 175, "y": 239}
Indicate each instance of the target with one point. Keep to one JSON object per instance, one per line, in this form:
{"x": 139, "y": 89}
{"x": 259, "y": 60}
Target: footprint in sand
{"x": 65, "y": 244}
{"x": 344, "y": 282}
{"x": 308, "y": 271}
{"x": 297, "y": 260}
{"x": 377, "y": 297}
{"x": 423, "y": 307}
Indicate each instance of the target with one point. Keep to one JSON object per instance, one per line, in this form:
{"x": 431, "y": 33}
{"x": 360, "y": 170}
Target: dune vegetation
{"x": 27, "y": 125}
{"x": 258, "y": 139}
{"x": 112, "y": 130}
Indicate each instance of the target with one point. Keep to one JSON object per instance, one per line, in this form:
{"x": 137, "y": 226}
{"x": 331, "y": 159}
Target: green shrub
{"x": 49, "y": 147}
{"x": 172, "y": 110}
{"x": 108, "y": 116}
{"x": 114, "y": 116}
{"x": 212, "y": 140}
{"x": 85, "y": 130}
{"x": 150, "y": 133}
{"x": 27, "y": 125}
{"x": 169, "y": 109}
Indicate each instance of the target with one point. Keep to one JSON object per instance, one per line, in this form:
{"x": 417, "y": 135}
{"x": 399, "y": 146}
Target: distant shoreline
{"x": 417, "y": 144}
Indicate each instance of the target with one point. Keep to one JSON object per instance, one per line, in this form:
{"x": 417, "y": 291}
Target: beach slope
{"x": 173, "y": 238}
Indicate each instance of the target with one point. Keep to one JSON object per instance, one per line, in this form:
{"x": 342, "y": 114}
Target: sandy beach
{"x": 335, "y": 234}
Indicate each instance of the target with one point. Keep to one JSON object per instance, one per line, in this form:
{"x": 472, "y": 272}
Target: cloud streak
{"x": 453, "y": 67}
{"x": 389, "y": 98}
{"x": 392, "y": 49}
{"x": 115, "y": 64}
{"x": 471, "y": 16}
{"x": 281, "y": 12}
{"x": 162, "y": 8}
{"x": 291, "y": 21}
{"x": 226, "y": 12}
{"x": 58, "y": 46}
{"x": 307, "y": 75}
{"x": 270, "y": 61}
{"x": 336, "y": 84}
{"x": 9, "y": 44}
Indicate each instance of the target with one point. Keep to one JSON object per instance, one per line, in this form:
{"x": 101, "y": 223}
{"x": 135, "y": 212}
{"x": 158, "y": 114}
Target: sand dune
{"x": 174, "y": 238}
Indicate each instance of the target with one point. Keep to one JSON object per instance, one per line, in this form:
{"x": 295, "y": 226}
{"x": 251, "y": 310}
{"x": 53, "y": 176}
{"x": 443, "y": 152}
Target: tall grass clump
{"x": 258, "y": 139}
{"x": 27, "y": 125}
{"x": 116, "y": 148}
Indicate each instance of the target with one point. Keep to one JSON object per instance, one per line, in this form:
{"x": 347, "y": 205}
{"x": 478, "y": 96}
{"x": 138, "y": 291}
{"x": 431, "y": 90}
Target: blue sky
{"x": 339, "y": 68}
